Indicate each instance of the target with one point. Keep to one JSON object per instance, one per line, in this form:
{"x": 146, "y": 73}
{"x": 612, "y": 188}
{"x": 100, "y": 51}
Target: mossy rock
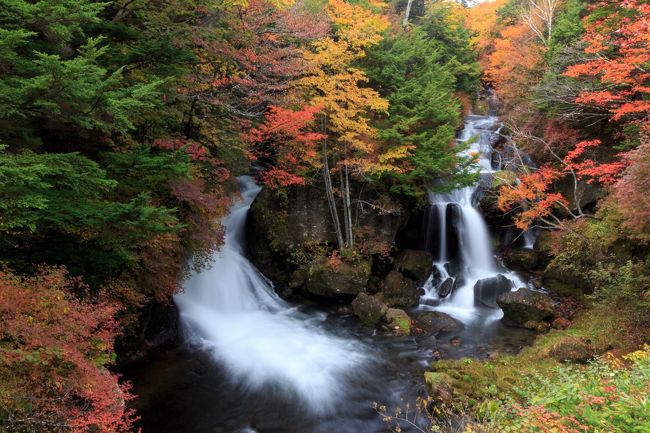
{"x": 434, "y": 322}
{"x": 526, "y": 308}
{"x": 398, "y": 321}
{"x": 440, "y": 387}
{"x": 572, "y": 349}
{"x": 340, "y": 281}
{"x": 399, "y": 291}
{"x": 544, "y": 248}
{"x": 522, "y": 259}
{"x": 369, "y": 309}
{"x": 414, "y": 264}
{"x": 565, "y": 282}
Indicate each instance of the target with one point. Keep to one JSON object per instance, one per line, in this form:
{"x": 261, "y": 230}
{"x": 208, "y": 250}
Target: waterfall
{"x": 457, "y": 236}
{"x": 232, "y": 311}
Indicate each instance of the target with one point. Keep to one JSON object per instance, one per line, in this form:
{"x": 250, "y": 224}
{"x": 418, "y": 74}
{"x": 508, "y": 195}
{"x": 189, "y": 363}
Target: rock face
{"x": 346, "y": 280}
{"x": 446, "y": 287}
{"x": 543, "y": 247}
{"x": 487, "y": 290}
{"x": 399, "y": 291}
{"x": 435, "y": 322}
{"x": 572, "y": 349}
{"x": 414, "y": 264}
{"x": 369, "y": 309}
{"x": 525, "y": 308}
{"x": 440, "y": 387}
{"x": 522, "y": 259}
{"x": 398, "y": 320}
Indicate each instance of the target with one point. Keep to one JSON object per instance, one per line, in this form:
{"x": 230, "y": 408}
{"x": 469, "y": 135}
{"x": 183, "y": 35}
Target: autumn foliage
{"x": 54, "y": 350}
{"x": 618, "y": 48}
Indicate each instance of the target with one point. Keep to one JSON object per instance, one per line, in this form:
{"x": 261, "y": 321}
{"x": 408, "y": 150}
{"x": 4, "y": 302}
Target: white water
{"x": 231, "y": 310}
{"x": 474, "y": 249}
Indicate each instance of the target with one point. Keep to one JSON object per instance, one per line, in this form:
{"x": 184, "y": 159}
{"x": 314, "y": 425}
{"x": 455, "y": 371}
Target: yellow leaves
{"x": 358, "y": 27}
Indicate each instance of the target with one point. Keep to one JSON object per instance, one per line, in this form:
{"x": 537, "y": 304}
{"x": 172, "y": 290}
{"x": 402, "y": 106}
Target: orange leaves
{"x": 532, "y": 191}
{"x": 620, "y": 42}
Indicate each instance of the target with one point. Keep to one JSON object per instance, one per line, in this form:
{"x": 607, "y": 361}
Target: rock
{"x": 398, "y": 320}
{"x": 453, "y": 268}
{"x": 572, "y": 349}
{"x": 543, "y": 247}
{"x": 522, "y": 259}
{"x": 525, "y": 308}
{"x": 459, "y": 282}
{"x": 434, "y": 322}
{"x": 445, "y": 288}
{"x": 414, "y": 264}
{"x": 399, "y": 291}
{"x": 440, "y": 387}
{"x": 565, "y": 282}
{"x": 369, "y": 309}
{"x": 487, "y": 290}
{"x": 345, "y": 280}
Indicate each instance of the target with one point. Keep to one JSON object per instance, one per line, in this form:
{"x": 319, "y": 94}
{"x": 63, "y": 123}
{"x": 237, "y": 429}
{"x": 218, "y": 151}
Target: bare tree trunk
{"x": 329, "y": 191}
{"x": 407, "y": 13}
{"x": 347, "y": 203}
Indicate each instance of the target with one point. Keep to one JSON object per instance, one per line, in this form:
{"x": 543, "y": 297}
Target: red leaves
{"x": 53, "y": 352}
{"x": 285, "y": 144}
{"x": 621, "y": 43}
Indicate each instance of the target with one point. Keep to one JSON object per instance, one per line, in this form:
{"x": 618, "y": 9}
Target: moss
{"x": 476, "y": 381}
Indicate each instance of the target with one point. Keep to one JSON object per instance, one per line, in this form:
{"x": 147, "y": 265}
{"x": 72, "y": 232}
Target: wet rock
{"x": 459, "y": 282}
{"x": 345, "y": 280}
{"x": 454, "y": 267}
{"x": 436, "y": 276}
{"x": 414, "y": 264}
{"x": 439, "y": 387}
{"x": 369, "y": 309}
{"x": 525, "y": 308}
{"x": 434, "y": 322}
{"x": 522, "y": 259}
{"x": 445, "y": 288}
{"x": 572, "y": 349}
{"x": 399, "y": 291}
{"x": 487, "y": 290}
{"x": 398, "y": 320}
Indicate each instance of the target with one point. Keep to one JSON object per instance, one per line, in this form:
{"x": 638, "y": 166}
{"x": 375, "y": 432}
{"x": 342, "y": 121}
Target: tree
{"x": 619, "y": 48}
{"x": 412, "y": 73}
{"x": 53, "y": 356}
{"x": 286, "y": 145}
{"x": 335, "y": 85}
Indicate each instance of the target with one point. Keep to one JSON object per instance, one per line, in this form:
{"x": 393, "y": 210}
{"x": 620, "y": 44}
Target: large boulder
{"x": 414, "y": 264}
{"x": 435, "y": 322}
{"x": 399, "y": 291}
{"x": 344, "y": 280}
{"x": 369, "y": 309}
{"x": 398, "y": 321}
{"x": 572, "y": 349}
{"x": 525, "y": 308}
{"x": 522, "y": 259}
{"x": 487, "y": 290}
{"x": 446, "y": 287}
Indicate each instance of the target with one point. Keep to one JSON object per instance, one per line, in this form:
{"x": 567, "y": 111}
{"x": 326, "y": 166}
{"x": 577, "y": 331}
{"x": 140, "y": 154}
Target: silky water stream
{"x": 254, "y": 363}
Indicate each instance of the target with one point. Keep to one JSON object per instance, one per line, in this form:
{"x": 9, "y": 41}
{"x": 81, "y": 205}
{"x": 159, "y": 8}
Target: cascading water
{"x": 232, "y": 311}
{"x": 466, "y": 277}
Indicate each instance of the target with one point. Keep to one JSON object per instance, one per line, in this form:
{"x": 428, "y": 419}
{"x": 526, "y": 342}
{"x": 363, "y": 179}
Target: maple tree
{"x": 53, "y": 357}
{"x": 286, "y": 143}
{"x": 618, "y": 45}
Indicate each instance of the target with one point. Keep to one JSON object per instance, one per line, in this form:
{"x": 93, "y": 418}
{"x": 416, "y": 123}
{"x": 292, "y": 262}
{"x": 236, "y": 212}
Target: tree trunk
{"x": 329, "y": 192}
{"x": 347, "y": 203}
